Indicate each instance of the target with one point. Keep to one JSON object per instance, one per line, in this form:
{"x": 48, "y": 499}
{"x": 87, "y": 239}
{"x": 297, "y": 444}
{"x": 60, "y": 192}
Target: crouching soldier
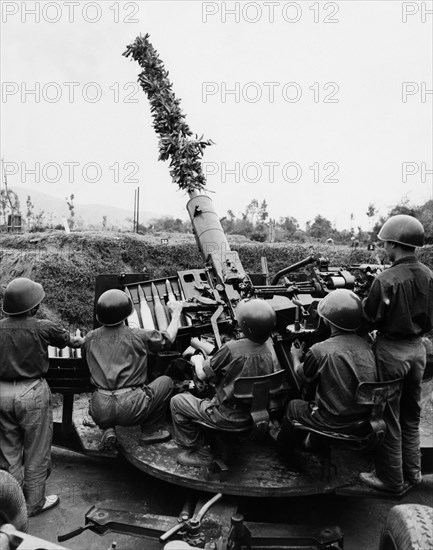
{"x": 117, "y": 358}
{"x": 335, "y": 367}
{"x": 26, "y": 416}
{"x": 250, "y": 356}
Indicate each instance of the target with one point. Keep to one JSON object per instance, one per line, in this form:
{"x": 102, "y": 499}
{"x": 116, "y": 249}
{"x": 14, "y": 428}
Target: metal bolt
{"x": 237, "y": 518}
{"x": 194, "y": 526}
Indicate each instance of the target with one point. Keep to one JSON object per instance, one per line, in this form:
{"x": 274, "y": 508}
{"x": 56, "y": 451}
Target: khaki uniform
{"x": 335, "y": 367}
{"x": 400, "y": 307}
{"x": 117, "y": 360}
{"x": 26, "y": 418}
{"x": 234, "y": 360}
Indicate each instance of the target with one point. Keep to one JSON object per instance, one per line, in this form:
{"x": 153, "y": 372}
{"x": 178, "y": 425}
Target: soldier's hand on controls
{"x": 372, "y": 336}
{"x": 298, "y": 349}
{"x": 175, "y": 307}
{"x": 197, "y": 362}
{"x": 200, "y": 385}
{"x": 76, "y": 341}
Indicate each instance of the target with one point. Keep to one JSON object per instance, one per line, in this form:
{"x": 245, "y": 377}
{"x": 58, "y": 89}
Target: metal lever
{"x": 173, "y": 530}
{"x": 192, "y": 522}
{"x": 74, "y": 533}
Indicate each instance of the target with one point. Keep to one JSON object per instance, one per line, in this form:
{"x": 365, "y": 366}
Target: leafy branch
{"x": 175, "y": 137}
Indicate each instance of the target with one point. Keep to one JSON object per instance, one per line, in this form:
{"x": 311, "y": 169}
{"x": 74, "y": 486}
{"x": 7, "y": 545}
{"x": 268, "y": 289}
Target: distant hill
{"x": 85, "y": 214}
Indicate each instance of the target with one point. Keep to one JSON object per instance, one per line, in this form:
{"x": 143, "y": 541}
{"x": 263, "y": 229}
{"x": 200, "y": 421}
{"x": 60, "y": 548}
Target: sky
{"x": 315, "y": 107}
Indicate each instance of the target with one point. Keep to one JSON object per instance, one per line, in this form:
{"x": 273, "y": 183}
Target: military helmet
{"x": 21, "y": 295}
{"x": 342, "y": 308}
{"x": 113, "y": 307}
{"x": 256, "y": 319}
{"x": 403, "y": 229}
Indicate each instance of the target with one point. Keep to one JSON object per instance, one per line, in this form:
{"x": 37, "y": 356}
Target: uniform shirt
{"x": 400, "y": 301}
{"x": 117, "y": 356}
{"x": 338, "y": 365}
{"x": 24, "y": 345}
{"x": 235, "y": 359}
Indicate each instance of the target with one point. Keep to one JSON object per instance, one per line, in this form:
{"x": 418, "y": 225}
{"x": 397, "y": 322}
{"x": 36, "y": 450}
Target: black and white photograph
{"x": 216, "y": 275}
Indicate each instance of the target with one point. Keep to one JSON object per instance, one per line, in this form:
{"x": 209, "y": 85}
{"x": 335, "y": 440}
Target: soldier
{"x": 400, "y": 307}
{"x": 26, "y": 416}
{"x": 334, "y": 368}
{"x": 117, "y": 359}
{"x": 250, "y": 356}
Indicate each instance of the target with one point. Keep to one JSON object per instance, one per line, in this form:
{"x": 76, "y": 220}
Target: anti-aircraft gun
{"x": 210, "y": 294}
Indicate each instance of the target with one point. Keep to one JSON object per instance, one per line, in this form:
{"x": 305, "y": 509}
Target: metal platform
{"x": 254, "y": 470}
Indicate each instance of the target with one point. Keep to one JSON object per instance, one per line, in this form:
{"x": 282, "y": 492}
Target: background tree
{"x": 227, "y": 222}
{"x": 263, "y": 214}
{"x": 289, "y": 224}
{"x": 71, "y": 206}
{"x": 252, "y": 211}
{"x": 352, "y": 218}
{"x": 377, "y": 227}
{"x": 30, "y": 214}
{"x": 320, "y": 228}
{"x": 243, "y": 226}
{"x": 371, "y": 212}
{"x": 170, "y": 224}
{"x": 404, "y": 207}
{"x": 3, "y": 205}
{"x": 9, "y": 201}
{"x": 39, "y": 224}
{"x": 425, "y": 216}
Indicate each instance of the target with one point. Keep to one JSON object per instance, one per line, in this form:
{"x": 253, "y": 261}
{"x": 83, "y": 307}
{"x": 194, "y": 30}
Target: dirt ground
{"x": 82, "y": 481}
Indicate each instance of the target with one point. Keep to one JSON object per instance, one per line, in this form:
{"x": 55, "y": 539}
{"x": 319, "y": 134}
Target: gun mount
{"x": 210, "y": 294}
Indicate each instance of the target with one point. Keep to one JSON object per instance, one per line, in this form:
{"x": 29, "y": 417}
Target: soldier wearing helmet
{"x": 26, "y": 416}
{"x": 400, "y": 307}
{"x": 117, "y": 358}
{"x": 250, "y": 356}
{"x": 333, "y": 368}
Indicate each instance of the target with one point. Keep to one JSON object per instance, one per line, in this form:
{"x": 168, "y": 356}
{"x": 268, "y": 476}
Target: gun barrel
{"x": 211, "y": 239}
{"x": 292, "y": 267}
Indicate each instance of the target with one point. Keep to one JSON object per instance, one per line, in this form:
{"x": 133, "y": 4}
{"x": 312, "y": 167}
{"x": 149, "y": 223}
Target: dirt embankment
{"x": 67, "y": 265}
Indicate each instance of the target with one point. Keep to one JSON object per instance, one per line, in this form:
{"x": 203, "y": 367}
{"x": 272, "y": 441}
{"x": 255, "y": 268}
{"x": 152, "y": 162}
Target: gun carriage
{"x": 210, "y": 294}
{"x": 252, "y": 468}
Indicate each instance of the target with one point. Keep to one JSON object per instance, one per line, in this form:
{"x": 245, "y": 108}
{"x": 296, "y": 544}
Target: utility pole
{"x": 138, "y": 207}
{"x": 136, "y": 210}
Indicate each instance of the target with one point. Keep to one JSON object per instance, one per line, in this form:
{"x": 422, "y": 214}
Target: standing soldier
{"x": 26, "y": 416}
{"x": 400, "y": 306}
{"x": 117, "y": 358}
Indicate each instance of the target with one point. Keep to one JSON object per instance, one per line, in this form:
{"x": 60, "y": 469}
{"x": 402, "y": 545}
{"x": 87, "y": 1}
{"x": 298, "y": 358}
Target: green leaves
{"x": 169, "y": 122}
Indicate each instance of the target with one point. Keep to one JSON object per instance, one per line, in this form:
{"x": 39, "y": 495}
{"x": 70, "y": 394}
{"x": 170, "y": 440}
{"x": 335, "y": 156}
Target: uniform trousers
{"x": 399, "y": 457}
{"x": 26, "y": 431}
{"x": 145, "y": 405}
{"x": 187, "y": 410}
{"x": 307, "y": 414}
